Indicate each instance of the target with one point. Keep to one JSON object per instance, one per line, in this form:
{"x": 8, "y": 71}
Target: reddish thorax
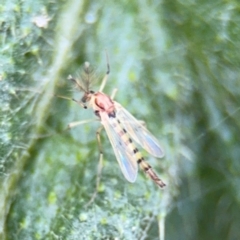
{"x": 102, "y": 103}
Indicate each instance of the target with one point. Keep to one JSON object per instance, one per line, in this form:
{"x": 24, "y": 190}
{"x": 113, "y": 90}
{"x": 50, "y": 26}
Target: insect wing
{"x": 125, "y": 158}
{"x": 138, "y": 132}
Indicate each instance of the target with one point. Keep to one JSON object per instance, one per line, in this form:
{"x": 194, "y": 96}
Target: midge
{"x": 121, "y": 127}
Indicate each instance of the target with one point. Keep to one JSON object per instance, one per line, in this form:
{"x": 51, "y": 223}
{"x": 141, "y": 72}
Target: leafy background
{"x": 176, "y": 66}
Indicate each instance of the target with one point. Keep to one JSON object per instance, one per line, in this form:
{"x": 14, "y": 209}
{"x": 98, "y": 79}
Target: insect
{"x": 122, "y": 129}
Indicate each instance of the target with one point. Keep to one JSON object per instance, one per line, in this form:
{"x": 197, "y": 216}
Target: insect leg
{"x": 70, "y": 126}
{"x": 99, "y": 168}
{"x": 104, "y": 81}
{"x": 114, "y": 93}
{"x": 74, "y": 124}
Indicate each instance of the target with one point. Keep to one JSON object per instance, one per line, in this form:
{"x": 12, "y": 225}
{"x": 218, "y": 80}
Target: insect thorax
{"x": 103, "y": 103}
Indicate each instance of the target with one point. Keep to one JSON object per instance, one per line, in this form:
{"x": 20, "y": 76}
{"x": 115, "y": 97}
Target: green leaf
{"x": 176, "y": 67}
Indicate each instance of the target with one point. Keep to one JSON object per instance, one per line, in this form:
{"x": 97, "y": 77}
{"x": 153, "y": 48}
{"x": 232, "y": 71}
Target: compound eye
{"x": 84, "y": 98}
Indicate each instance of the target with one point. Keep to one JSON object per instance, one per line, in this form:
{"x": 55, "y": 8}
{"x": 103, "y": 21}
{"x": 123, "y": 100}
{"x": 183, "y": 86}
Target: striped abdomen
{"x": 125, "y": 136}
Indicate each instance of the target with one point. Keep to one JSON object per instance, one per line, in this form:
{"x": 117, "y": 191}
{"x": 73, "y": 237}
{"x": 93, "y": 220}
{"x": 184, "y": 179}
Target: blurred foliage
{"x": 176, "y": 66}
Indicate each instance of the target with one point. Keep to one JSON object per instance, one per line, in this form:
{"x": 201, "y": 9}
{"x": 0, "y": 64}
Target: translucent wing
{"x": 138, "y": 132}
{"x": 125, "y": 157}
